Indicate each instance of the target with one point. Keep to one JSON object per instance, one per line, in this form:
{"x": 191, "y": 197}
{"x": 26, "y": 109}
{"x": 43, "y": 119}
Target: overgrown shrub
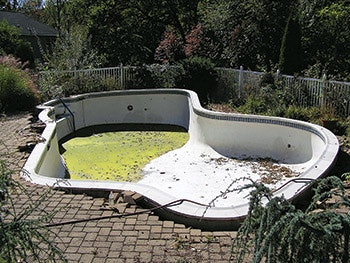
{"x": 310, "y": 114}
{"x": 71, "y": 52}
{"x": 18, "y": 91}
{"x": 56, "y": 84}
{"x": 272, "y": 98}
{"x": 280, "y": 232}
{"x": 155, "y": 76}
{"x": 143, "y": 78}
{"x": 11, "y": 43}
{"x": 253, "y": 106}
{"x": 200, "y": 76}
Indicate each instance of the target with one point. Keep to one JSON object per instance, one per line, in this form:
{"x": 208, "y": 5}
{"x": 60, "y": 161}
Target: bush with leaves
{"x": 18, "y": 91}
{"x": 71, "y": 52}
{"x": 10, "y": 43}
{"x": 280, "y": 232}
{"x": 154, "y": 76}
{"x": 271, "y": 98}
{"x": 23, "y": 234}
{"x": 200, "y": 76}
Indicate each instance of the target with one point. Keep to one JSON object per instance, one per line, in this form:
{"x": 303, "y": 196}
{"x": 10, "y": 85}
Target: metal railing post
{"x": 240, "y": 81}
{"x": 122, "y": 76}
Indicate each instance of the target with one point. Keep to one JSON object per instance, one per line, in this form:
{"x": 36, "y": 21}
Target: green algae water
{"x": 118, "y": 156}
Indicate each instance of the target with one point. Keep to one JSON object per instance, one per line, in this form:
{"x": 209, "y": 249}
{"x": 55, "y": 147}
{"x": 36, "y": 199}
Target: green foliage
{"x": 23, "y": 235}
{"x": 250, "y": 30}
{"x": 56, "y": 84}
{"x": 74, "y": 51}
{"x": 325, "y": 28}
{"x": 253, "y": 106}
{"x": 309, "y": 114}
{"x": 17, "y": 89}
{"x": 124, "y": 32}
{"x": 200, "y": 76}
{"x": 290, "y": 58}
{"x": 10, "y": 43}
{"x": 155, "y": 76}
{"x": 143, "y": 79}
{"x": 271, "y": 98}
{"x": 279, "y": 232}
{"x": 311, "y": 36}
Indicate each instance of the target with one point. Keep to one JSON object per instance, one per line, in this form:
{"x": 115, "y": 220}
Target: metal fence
{"x": 329, "y": 94}
{"x": 232, "y": 83}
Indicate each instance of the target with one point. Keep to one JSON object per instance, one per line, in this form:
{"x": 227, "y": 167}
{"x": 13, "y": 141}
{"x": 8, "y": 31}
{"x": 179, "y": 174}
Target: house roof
{"x": 28, "y": 25}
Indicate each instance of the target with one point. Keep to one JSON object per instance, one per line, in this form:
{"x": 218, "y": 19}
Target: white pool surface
{"x": 215, "y": 175}
{"x": 222, "y": 149}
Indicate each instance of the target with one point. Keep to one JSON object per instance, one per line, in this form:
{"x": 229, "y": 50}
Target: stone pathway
{"x": 140, "y": 237}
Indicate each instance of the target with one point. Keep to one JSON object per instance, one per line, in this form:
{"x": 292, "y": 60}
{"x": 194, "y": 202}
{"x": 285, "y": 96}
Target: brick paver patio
{"x": 140, "y": 237}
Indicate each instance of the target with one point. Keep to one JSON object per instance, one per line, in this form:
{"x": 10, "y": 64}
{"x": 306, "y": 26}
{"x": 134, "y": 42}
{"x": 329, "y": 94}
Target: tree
{"x": 126, "y": 31}
{"x": 326, "y": 34}
{"x": 74, "y": 51}
{"x": 59, "y": 14}
{"x": 170, "y": 49}
{"x": 290, "y": 58}
{"x": 222, "y": 19}
{"x": 10, "y": 43}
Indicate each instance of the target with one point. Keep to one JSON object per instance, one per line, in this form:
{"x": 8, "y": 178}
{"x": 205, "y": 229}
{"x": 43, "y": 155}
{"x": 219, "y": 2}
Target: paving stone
{"x": 144, "y": 234}
{"x": 180, "y": 230}
{"x": 113, "y": 255}
{"x": 104, "y": 231}
{"x": 141, "y": 227}
{"x": 129, "y": 233}
{"x": 129, "y": 200}
{"x": 139, "y": 238}
{"x": 129, "y": 255}
{"x": 168, "y": 224}
{"x": 155, "y": 235}
{"x": 87, "y": 258}
{"x": 78, "y": 234}
{"x": 196, "y": 232}
{"x": 166, "y": 230}
{"x": 73, "y": 257}
{"x": 142, "y": 217}
{"x": 156, "y": 229}
{"x": 130, "y": 240}
{"x": 129, "y": 227}
{"x": 146, "y": 257}
{"x": 130, "y": 221}
{"x": 117, "y": 246}
{"x": 157, "y": 242}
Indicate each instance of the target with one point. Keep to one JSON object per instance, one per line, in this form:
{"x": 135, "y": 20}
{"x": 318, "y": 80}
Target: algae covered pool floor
{"x": 118, "y": 155}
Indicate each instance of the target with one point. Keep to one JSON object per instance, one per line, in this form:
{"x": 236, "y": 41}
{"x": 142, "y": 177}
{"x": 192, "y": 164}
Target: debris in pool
{"x": 270, "y": 170}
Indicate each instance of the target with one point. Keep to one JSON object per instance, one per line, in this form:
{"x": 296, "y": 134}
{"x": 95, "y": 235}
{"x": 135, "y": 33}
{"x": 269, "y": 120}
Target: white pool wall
{"x": 231, "y": 135}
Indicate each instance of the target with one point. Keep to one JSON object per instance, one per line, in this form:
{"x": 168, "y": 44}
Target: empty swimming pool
{"x": 222, "y": 150}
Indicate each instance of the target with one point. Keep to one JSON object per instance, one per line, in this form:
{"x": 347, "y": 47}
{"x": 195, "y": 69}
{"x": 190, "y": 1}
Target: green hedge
{"x": 200, "y": 76}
